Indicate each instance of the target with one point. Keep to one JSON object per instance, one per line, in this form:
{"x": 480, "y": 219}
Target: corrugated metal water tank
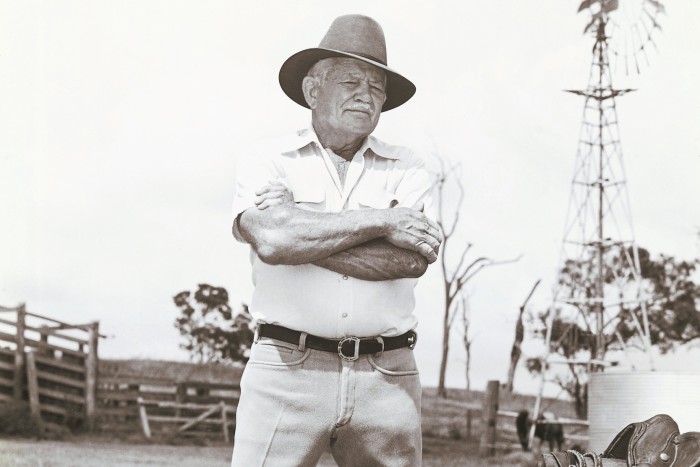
{"x": 618, "y": 399}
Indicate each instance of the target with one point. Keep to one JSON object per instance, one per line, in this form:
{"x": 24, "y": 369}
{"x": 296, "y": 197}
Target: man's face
{"x": 349, "y": 101}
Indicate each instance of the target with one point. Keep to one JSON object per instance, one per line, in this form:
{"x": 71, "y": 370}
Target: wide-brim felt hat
{"x": 350, "y": 36}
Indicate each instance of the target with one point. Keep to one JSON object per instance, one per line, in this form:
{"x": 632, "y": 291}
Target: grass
{"x": 446, "y": 442}
{"x": 448, "y": 417}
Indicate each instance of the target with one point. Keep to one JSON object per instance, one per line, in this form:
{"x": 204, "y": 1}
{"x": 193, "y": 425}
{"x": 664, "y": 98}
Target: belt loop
{"x": 302, "y": 341}
{"x": 381, "y": 352}
{"x": 256, "y": 334}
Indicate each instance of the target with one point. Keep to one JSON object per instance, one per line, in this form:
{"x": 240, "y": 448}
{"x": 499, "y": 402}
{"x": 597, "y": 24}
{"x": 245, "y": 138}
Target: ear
{"x": 310, "y": 87}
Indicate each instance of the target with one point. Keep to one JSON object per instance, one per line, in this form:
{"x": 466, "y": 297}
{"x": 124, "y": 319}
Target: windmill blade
{"x": 610, "y": 5}
{"x": 659, "y": 7}
{"x": 653, "y": 42}
{"x": 606, "y": 5}
{"x": 653, "y": 20}
{"x": 586, "y": 4}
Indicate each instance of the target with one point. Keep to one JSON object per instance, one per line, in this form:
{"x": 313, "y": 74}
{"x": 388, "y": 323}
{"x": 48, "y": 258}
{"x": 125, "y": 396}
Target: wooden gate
{"x": 50, "y": 364}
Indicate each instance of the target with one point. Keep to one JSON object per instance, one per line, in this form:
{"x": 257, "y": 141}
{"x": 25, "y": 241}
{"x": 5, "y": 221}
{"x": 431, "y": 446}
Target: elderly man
{"x": 335, "y": 221}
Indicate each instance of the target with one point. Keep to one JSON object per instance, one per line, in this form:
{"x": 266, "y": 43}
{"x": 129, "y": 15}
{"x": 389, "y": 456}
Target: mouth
{"x": 363, "y": 111}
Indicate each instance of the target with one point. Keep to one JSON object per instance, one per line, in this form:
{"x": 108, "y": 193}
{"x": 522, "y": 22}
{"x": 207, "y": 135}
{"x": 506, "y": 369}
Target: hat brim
{"x": 398, "y": 88}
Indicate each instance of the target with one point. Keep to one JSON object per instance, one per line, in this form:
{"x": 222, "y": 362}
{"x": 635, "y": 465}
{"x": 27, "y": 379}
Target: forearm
{"x": 286, "y": 234}
{"x": 376, "y": 260}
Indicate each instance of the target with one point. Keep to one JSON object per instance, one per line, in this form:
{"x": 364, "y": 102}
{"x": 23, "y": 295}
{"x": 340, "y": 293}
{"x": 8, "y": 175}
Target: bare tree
{"x": 454, "y": 278}
{"x": 467, "y": 338}
{"x": 516, "y": 351}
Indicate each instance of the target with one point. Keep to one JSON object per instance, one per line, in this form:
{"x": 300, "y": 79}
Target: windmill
{"x": 598, "y": 297}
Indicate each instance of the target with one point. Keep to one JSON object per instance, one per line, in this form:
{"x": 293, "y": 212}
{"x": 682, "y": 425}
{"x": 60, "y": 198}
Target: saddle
{"x": 656, "y": 442}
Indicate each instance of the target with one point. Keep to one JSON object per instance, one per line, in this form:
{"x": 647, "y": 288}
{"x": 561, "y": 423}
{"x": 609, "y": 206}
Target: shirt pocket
{"x": 310, "y": 197}
{"x": 376, "y": 198}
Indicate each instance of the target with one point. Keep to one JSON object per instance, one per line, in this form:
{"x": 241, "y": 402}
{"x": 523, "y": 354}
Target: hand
{"x": 412, "y": 230}
{"x": 273, "y": 194}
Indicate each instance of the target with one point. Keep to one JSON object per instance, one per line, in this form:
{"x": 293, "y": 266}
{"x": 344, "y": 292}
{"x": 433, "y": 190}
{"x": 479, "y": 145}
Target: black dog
{"x": 550, "y": 432}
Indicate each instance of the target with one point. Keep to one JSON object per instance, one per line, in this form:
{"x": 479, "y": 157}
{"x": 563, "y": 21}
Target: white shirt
{"x": 310, "y": 298}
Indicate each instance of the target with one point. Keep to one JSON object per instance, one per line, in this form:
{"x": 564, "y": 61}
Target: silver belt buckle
{"x": 353, "y": 357}
{"x": 412, "y": 340}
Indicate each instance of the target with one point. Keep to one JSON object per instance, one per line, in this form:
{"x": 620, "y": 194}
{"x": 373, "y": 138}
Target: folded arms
{"x": 369, "y": 244}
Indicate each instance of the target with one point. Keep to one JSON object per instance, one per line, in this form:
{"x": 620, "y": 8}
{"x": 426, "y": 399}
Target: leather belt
{"x": 349, "y": 348}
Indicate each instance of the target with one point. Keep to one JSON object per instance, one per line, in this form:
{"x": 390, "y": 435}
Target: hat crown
{"x": 356, "y": 34}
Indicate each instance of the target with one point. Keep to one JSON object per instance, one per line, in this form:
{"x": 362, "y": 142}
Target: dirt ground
{"x": 85, "y": 453}
{"x": 448, "y": 441}
{"x": 438, "y": 452}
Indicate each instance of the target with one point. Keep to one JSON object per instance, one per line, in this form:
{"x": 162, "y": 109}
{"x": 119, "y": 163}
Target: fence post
{"x": 43, "y": 341}
{"x": 469, "y": 424}
{"x": 224, "y": 421}
{"x": 33, "y": 389}
{"x": 144, "y": 417}
{"x": 490, "y": 412}
{"x": 180, "y": 396}
{"x": 19, "y": 352}
{"x": 91, "y": 374}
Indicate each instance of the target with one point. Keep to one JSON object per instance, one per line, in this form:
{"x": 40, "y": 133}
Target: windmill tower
{"x": 599, "y": 302}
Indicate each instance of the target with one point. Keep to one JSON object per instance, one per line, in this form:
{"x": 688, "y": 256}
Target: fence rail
{"x": 54, "y": 371}
{"x": 54, "y": 366}
{"x": 500, "y": 432}
{"x": 156, "y": 406}
{"x": 200, "y": 415}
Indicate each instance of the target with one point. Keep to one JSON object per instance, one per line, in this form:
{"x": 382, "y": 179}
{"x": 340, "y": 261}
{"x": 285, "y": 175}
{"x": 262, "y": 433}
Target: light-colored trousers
{"x": 297, "y": 402}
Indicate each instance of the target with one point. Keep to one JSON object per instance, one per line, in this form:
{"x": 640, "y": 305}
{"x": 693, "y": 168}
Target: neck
{"x": 343, "y": 145}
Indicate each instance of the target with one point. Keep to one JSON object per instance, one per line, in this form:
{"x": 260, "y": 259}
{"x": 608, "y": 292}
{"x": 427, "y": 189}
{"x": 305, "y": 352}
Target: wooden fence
{"x": 50, "y": 364}
{"x": 186, "y": 417}
{"x": 500, "y": 433}
{"x": 166, "y": 408}
{"x": 54, "y": 366}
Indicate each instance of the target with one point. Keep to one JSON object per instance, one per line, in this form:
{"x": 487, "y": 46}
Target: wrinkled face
{"x": 348, "y": 99}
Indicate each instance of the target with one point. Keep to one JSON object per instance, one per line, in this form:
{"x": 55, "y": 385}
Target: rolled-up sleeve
{"x": 253, "y": 171}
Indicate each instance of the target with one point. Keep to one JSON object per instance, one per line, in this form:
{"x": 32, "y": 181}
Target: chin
{"x": 360, "y": 126}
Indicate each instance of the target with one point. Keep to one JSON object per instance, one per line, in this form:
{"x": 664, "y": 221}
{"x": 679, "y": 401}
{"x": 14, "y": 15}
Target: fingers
{"x": 268, "y": 195}
{"x": 273, "y": 187}
{"x": 272, "y": 194}
{"x": 413, "y": 230}
{"x": 428, "y": 252}
{"x": 270, "y": 202}
{"x": 432, "y": 229}
{"x": 429, "y": 247}
{"x": 430, "y": 239}
{"x": 429, "y": 231}
{"x": 432, "y": 242}
{"x": 430, "y": 225}
{"x": 273, "y": 198}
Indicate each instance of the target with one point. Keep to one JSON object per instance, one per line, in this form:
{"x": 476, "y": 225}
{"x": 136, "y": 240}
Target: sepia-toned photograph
{"x": 319, "y": 234}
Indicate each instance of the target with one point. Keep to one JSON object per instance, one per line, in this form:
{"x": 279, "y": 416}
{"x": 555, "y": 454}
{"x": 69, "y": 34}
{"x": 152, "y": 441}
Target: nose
{"x": 362, "y": 92}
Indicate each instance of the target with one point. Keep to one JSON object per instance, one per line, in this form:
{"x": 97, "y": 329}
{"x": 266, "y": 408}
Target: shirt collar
{"x": 308, "y": 136}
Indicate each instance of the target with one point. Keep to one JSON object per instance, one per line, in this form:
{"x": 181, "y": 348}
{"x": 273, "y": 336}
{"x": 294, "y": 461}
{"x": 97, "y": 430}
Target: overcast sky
{"x": 121, "y": 121}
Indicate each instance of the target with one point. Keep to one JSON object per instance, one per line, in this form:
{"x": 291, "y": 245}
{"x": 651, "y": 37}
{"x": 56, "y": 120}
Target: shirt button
{"x": 345, "y": 278}
{"x": 344, "y": 315}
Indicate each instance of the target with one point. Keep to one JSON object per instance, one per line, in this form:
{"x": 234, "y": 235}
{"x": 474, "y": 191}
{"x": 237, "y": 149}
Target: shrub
{"x": 16, "y": 419}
